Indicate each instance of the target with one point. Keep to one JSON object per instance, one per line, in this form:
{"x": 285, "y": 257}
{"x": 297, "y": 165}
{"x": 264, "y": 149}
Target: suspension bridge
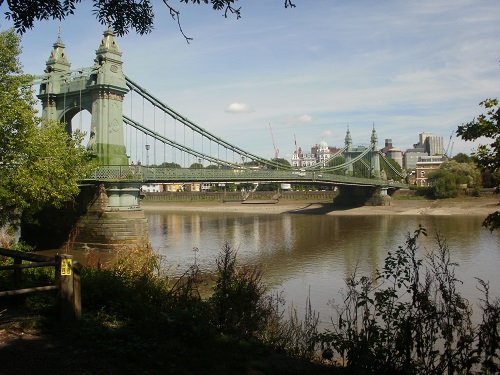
{"x": 181, "y": 151}
{"x": 117, "y": 138}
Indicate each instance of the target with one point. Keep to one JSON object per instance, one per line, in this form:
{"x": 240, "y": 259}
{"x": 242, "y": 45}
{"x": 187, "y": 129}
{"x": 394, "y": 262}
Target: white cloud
{"x": 306, "y": 118}
{"x": 238, "y": 108}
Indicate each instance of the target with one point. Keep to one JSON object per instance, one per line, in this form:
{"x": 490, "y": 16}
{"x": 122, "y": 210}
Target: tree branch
{"x": 176, "y": 16}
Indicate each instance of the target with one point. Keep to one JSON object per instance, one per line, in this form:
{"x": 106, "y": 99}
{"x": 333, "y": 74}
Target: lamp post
{"x": 148, "y": 146}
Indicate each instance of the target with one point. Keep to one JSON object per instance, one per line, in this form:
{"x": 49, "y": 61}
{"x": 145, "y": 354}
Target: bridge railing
{"x": 146, "y": 174}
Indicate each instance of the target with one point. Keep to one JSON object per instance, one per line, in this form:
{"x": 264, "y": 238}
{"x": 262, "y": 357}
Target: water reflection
{"x": 313, "y": 253}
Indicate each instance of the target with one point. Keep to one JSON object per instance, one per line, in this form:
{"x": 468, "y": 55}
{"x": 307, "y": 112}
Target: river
{"x": 310, "y": 255}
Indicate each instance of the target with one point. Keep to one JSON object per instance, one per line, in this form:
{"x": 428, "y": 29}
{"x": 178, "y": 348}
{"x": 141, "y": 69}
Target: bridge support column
{"x": 114, "y": 221}
{"x": 356, "y": 196}
{"x": 103, "y": 218}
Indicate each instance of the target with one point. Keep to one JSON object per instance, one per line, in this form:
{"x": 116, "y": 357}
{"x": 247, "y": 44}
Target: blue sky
{"x": 408, "y": 67}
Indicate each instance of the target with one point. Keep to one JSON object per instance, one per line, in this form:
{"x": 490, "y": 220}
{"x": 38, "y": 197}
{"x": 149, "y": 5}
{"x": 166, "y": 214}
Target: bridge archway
{"x": 81, "y": 120}
{"x": 99, "y": 90}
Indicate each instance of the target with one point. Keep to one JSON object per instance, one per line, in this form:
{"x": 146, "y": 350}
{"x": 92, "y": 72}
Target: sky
{"x": 308, "y": 73}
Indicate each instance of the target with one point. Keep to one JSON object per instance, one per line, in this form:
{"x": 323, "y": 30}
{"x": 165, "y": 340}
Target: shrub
{"x": 412, "y": 320}
{"x": 443, "y": 184}
{"x": 239, "y": 297}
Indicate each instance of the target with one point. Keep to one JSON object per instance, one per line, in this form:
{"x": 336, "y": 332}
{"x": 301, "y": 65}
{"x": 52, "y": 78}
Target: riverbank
{"x": 464, "y": 206}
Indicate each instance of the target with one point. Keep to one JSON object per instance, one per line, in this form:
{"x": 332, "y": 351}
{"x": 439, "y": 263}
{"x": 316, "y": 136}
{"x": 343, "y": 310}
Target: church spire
{"x": 58, "y": 62}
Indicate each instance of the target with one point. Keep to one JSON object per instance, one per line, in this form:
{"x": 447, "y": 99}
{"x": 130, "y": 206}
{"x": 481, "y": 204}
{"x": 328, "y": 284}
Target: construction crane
{"x": 276, "y": 151}
{"x": 448, "y": 147}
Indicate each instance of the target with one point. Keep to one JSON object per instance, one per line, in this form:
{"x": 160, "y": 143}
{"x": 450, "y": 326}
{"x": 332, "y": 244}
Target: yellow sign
{"x": 66, "y": 267}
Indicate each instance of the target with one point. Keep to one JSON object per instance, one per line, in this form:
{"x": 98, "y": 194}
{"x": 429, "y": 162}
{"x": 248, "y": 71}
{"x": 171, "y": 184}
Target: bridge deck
{"x": 145, "y": 174}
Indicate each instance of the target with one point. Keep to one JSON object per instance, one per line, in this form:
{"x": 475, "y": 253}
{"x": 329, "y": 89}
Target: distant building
{"x": 434, "y": 145}
{"x": 319, "y": 154}
{"x": 425, "y": 165}
{"x": 411, "y": 156}
{"x": 396, "y": 155}
{"x": 387, "y": 147}
{"x": 392, "y": 152}
{"x": 151, "y": 188}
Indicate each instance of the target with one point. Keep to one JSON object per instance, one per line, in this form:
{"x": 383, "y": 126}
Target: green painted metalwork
{"x": 146, "y": 174}
{"x": 195, "y": 128}
{"x": 99, "y": 90}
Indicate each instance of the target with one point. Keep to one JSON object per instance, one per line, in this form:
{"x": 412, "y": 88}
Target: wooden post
{"x": 17, "y": 273}
{"x": 77, "y": 295}
{"x": 69, "y": 312}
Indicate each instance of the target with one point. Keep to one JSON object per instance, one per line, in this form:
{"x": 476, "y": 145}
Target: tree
{"x": 391, "y": 175}
{"x": 465, "y": 173}
{"x": 488, "y": 156}
{"x": 338, "y": 160}
{"x": 170, "y": 165}
{"x": 196, "y": 166}
{"x": 40, "y": 164}
{"x": 443, "y": 184}
{"x": 285, "y": 163}
{"x": 462, "y": 158}
{"x": 122, "y": 15}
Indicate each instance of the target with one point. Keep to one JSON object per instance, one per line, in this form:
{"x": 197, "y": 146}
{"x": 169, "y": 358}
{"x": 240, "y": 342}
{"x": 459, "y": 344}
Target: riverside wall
{"x": 238, "y": 196}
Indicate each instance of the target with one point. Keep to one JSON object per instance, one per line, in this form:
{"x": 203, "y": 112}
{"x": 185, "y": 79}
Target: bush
{"x": 239, "y": 297}
{"x": 411, "y": 319}
{"x": 443, "y": 184}
{"x": 129, "y": 288}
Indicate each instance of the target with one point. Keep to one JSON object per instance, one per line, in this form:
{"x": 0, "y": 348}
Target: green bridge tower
{"x": 100, "y": 91}
{"x": 111, "y": 216}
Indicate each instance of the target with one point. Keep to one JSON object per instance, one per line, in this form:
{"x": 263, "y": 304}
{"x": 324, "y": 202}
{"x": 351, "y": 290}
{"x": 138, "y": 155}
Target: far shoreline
{"x": 462, "y": 206}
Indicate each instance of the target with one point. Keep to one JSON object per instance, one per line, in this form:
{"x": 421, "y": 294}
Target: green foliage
{"x": 137, "y": 15}
{"x": 212, "y": 166}
{"x": 462, "y": 158}
{"x": 40, "y": 164}
{"x": 285, "y": 163}
{"x": 443, "y": 184}
{"x": 127, "y": 289}
{"x": 170, "y": 165}
{"x": 487, "y": 156}
{"x": 239, "y": 297}
{"x": 466, "y": 173}
{"x": 447, "y": 180}
{"x": 196, "y": 166}
{"x": 391, "y": 175}
{"x": 412, "y": 320}
{"x": 338, "y": 160}
{"x": 488, "y": 125}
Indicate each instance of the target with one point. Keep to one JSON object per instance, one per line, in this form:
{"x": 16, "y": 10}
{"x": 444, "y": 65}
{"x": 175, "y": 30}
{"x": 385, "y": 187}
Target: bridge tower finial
{"x": 375, "y": 160}
{"x": 374, "y": 138}
{"x": 348, "y": 138}
{"x": 58, "y": 62}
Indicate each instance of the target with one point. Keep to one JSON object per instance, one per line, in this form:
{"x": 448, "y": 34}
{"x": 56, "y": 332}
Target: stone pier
{"x": 355, "y": 196}
{"x": 113, "y": 221}
{"x": 105, "y": 217}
